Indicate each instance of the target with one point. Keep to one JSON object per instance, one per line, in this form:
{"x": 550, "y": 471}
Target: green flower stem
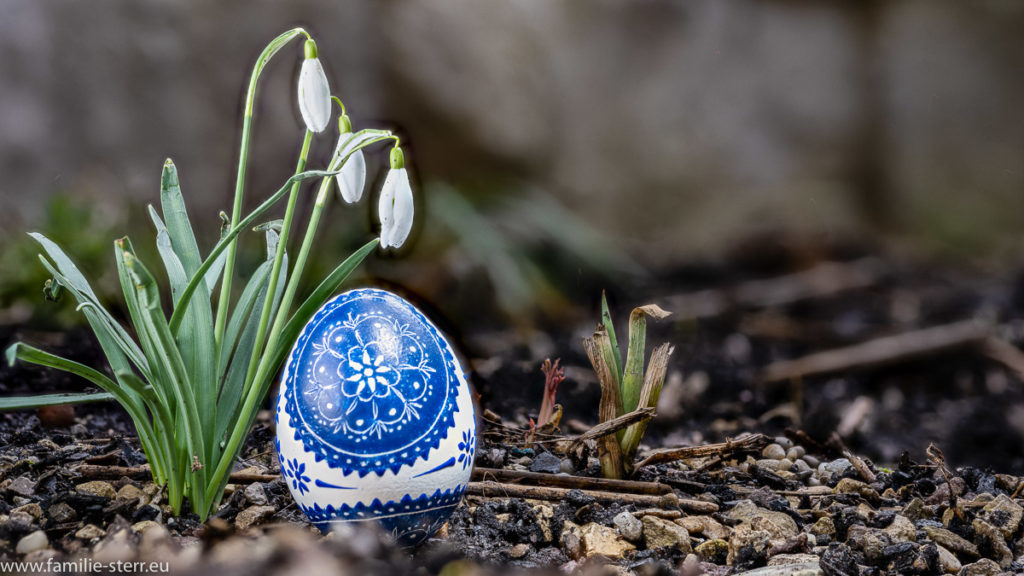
{"x": 216, "y": 480}
{"x": 275, "y": 271}
{"x": 243, "y": 157}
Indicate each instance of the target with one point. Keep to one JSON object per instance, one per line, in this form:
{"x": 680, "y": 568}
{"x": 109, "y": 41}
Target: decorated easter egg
{"x": 375, "y": 421}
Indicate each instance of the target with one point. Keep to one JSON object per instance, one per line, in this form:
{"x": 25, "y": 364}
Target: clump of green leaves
{"x": 182, "y": 390}
{"x": 626, "y": 387}
{"x": 193, "y": 382}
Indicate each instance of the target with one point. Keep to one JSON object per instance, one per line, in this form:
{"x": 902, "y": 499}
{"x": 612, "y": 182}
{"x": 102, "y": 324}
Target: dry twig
{"x": 748, "y": 443}
{"x": 142, "y": 472}
{"x": 861, "y": 467}
{"x": 612, "y": 426}
{"x": 565, "y": 481}
{"x": 880, "y": 351}
{"x": 1005, "y": 353}
{"x": 824, "y": 280}
{"x": 501, "y": 490}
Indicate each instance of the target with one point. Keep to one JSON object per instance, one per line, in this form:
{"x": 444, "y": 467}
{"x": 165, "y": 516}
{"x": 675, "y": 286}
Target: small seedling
{"x": 626, "y": 387}
{"x": 550, "y": 412}
{"x": 192, "y": 383}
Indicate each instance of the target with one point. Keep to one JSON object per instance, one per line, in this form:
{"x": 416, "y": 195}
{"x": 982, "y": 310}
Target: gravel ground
{"x": 780, "y": 509}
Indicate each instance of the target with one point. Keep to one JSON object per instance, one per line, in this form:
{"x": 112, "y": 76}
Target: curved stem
{"x": 243, "y": 157}
{"x": 340, "y": 104}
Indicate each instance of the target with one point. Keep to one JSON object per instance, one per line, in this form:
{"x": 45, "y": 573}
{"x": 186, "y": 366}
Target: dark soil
{"x": 907, "y": 514}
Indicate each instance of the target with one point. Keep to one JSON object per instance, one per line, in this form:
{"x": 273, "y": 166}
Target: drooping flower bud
{"x": 352, "y": 177}
{"x": 314, "y": 91}
{"x": 396, "y": 206}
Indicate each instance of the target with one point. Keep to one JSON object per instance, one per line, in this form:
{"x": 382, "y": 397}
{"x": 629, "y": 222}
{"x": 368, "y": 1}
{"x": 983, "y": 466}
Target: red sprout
{"x": 553, "y": 376}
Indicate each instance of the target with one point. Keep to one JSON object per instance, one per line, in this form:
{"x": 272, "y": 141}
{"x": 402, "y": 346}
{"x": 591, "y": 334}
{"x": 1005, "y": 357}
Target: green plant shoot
{"x": 626, "y": 389}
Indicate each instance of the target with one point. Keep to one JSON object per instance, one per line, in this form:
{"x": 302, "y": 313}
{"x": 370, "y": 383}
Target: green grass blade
{"x": 212, "y": 275}
{"x": 32, "y": 355}
{"x": 654, "y": 379}
{"x": 241, "y": 314}
{"x": 65, "y": 265}
{"x": 102, "y": 323}
{"x": 156, "y": 374}
{"x": 27, "y": 402}
{"x": 72, "y": 279}
{"x": 234, "y": 381}
{"x": 633, "y": 376}
{"x": 178, "y": 227}
{"x": 162, "y": 423}
{"x": 609, "y": 326}
{"x": 195, "y": 341}
{"x": 166, "y": 354}
{"x": 248, "y": 309}
{"x": 176, "y": 275}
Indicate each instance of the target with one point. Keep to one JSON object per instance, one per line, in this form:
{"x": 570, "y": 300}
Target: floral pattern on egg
{"x": 376, "y": 413}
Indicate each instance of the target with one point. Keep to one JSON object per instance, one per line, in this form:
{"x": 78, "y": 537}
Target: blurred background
{"x": 651, "y": 148}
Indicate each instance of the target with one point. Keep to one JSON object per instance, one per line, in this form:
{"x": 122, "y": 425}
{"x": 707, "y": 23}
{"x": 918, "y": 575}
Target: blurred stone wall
{"x": 680, "y": 125}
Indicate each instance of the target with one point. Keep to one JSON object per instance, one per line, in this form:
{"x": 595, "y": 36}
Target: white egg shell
{"x": 375, "y": 419}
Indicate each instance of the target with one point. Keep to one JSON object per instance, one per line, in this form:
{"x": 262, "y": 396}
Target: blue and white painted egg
{"x": 375, "y": 420}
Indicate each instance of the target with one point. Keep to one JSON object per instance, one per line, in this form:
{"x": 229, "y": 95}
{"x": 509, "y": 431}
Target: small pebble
{"x": 630, "y": 528}
{"x": 774, "y": 452}
{"x": 22, "y": 485}
{"x": 495, "y": 457}
{"x": 800, "y": 467}
{"x": 811, "y": 461}
{"x": 253, "y": 515}
{"x": 145, "y": 526}
{"x": 90, "y": 532}
{"x": 130, "y": 492}
{"x": 35, "y": 541}
{"x": 255, "y": 494}
{"x": 519, "y": 550}
{"x": 546, "y": 462}
{"x": 830, "y": 472}
{"x": 785, "y": 464}
{"x": 97, "y": 488}
{"x": 786, "y": 443}
{"x": 32, "y": 509}
{"x": 566, "y": 467}
{"x": 796, "y": 452}
{"x": 61, "y": 512}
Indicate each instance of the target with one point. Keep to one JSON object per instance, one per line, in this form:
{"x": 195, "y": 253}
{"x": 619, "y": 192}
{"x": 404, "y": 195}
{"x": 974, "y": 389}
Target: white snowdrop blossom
{"x": 396, "y": 207}
{"x": 314, "y": 91}
{"x": 352, "y": 177}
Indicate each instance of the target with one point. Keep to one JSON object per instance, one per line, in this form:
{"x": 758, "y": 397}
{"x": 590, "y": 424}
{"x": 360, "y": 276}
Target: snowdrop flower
{"x": 395, "y": 207}
{"x": 352, "y": 176}
{"x": 314, "y": 92}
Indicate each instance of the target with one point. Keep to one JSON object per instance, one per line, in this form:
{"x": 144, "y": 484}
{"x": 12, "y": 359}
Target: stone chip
{"x": 661, "y": 533}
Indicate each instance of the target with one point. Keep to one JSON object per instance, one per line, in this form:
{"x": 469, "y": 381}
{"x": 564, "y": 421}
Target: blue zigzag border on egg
{"x": 429, "y": 513}
{"x": 322, "y": 451}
